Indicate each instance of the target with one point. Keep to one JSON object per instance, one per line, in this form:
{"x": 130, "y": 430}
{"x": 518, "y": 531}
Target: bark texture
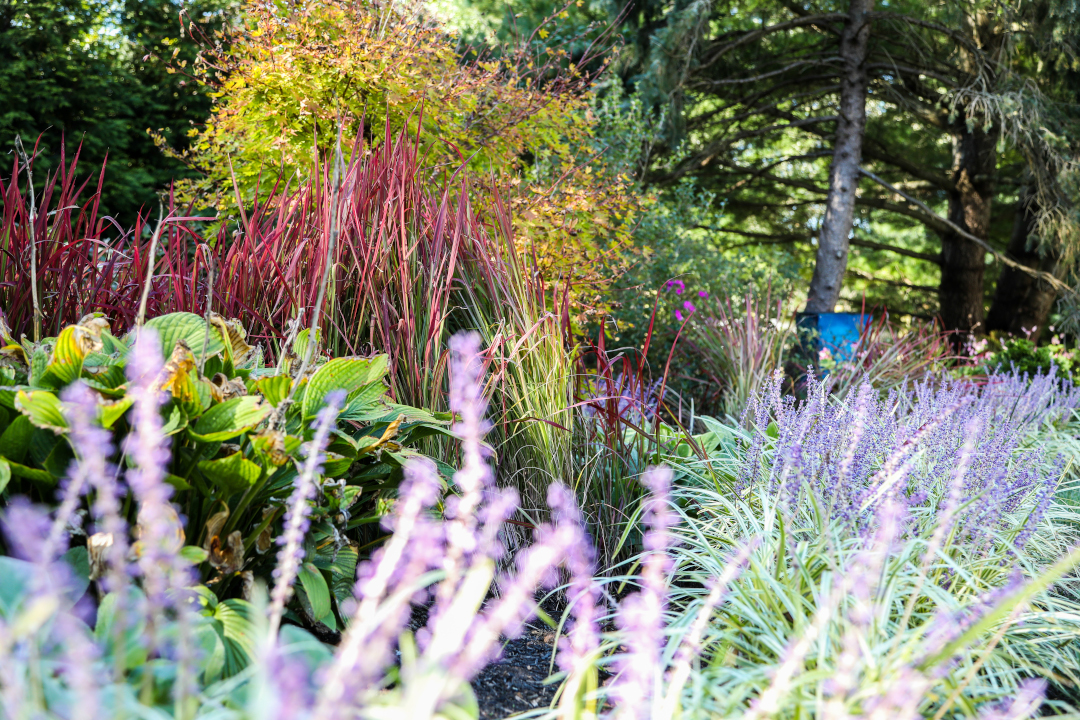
{"x": 974, "y": 172}
{"x": 1022, "y": 304}
{"x": 833, "y": 243}
{"x": 963, "y": 263}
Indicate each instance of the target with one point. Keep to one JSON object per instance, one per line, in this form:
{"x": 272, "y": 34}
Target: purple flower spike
{"x": 641, "y": 615}
{"x": 1029, "y": 697}
{"x": 93, "y": 444}
{"x": 582, "y": 593}
{"x": 296, "y": 518}
{"x": 416, "y": 546}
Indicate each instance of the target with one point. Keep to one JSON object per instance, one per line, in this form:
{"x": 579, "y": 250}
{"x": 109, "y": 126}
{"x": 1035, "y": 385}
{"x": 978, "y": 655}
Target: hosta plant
{"x": 232, "y": 451}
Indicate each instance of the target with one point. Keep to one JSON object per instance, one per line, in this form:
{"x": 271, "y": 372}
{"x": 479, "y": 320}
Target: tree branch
{"x": 895, "y": 283}
{"x": 771, "y": 73}
{"x": 804, "y": 21}
{"x": 780, "y": 239}
{"x": 1037, "y": 274}
{"x": 934, "y": 258}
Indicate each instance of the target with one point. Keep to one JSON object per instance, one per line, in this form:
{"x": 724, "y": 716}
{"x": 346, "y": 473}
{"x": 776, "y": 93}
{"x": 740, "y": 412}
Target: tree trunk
{"x": 1022, "y": 304}
{"x": 832, "y": 251}
{"x": 963, "y": 263}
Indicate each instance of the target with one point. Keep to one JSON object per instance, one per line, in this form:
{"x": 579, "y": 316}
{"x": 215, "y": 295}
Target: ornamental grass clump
{"x": 912, "y": 558}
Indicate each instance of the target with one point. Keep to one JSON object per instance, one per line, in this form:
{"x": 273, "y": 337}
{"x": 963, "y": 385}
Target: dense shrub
{"x": 293, "y": 78}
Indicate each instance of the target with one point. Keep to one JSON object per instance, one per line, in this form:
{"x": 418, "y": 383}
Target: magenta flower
{"x": 703, "y": 293}
{"x": 679, "y": 286}
{"x": 689, "y": 307}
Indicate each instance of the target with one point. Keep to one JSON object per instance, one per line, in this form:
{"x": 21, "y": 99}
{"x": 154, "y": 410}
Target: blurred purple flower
{"x": 640, "y": 616}
{"x": 291, "y": 540}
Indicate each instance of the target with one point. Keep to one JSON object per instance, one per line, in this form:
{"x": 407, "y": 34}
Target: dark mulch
{"x": 515, "y": 683}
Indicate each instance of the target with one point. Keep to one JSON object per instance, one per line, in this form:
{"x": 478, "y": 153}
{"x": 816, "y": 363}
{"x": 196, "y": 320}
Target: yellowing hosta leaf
{"x": 188, "y": 327}
{"x": 43, "y": 409}
{"x": 229, "y": 419}
{"x": 66, "y": 361}
{"x": 232, "y": 474}
{"x": 177, "y": 378}
{"x": 274, "y": 389}
{"x": 346, "y": 374}
{"x": 237, "y": 346}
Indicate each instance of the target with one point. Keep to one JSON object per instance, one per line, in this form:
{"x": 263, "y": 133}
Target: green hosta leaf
{"x": 298, "y": 642}
{"x": 300, "y": 344}
{"x": 342, "y": 567}
{"x": 347, "y": 374}
{"x": 39, "y": 360}
{"x": 17, "y": 574}
{"x": 229, "y": 419}
{"x": 238, "y": 633}
{"x": 388, "y": 412}
{"x": 177, "y": 482}
{"x": 78, "y": 559}
{"x": 109, "y": 381}
{"x": 16, "y": 439}
{"x": 125, "y": 639}
{"x": 366, "y": 403}
{"x": 232, "y": 474}
{"x": 193, "y": 554}
{"x": 211, "y": 648}
{"x": 336, "y": 465}
{"x": 50, "y": 452}
{"x": 43, "y": 408}
{"x": 187, "y": 327}
{"x": 5, "y": 474}
{"x": 316, "y": 589}
{"x": 29, "y": 473}
{"x": 111, "y": 411}
{"x": 175, "y": 419}
{"x": 274, "y": 389}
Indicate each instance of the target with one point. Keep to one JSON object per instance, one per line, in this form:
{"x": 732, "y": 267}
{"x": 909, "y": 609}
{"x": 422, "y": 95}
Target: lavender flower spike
{"x": 641, "y": 616}
{"x": 691, "y": 643}
{"x": 161, "y": 534}
{"x": 1029, "y": 698}
{"x": 475, "y": 476}
{"x": 93, "y": 444}
{"x": 582, "y": 593}
{"x": 377, "y": 578}
{"x": 296, "y": 518}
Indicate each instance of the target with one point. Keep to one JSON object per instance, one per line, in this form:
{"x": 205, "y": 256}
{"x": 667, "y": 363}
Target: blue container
{"x": 836, "y": 332}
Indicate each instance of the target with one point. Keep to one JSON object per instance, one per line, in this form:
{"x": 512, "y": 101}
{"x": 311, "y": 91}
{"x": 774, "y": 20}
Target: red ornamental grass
{"x": 406, "y": 242}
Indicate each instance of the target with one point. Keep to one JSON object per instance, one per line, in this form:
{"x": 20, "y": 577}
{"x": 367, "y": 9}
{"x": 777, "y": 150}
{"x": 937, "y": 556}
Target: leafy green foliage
{"x": 94, "y": 75}
{"x": 1025, "y": 356}
{"x": 235, "y": 446}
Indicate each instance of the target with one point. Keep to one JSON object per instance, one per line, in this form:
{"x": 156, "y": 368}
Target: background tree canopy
{"x": 719, "y": 127}
{"x": 103, "y": 74}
